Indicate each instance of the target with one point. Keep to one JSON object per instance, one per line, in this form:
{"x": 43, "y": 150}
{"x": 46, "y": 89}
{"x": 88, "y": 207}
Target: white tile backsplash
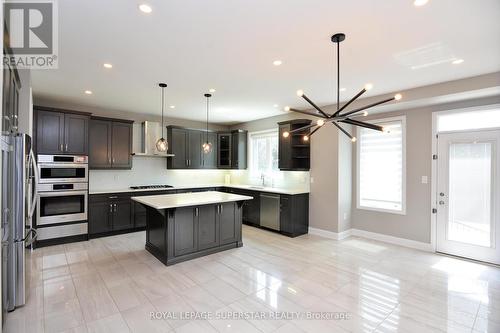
{"x": 153, "y": 170}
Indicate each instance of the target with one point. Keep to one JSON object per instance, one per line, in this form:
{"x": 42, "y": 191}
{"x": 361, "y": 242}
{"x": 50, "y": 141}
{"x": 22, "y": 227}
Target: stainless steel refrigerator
{"x": 19, "y": 174}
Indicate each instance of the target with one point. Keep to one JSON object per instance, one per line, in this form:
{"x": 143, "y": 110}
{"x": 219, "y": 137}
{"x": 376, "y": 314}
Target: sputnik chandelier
{"x": 341, "y": 115}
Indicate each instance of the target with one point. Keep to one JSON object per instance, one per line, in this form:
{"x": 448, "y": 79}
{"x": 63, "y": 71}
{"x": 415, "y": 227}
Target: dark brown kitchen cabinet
{"x": 239, "y": 149}
{"x": 186, "y": 144}
{"x": 109, "y": 212}
{"x": 178, "y": 145}
{"x": 185, "y": 231}
{"x": 232, "y": 150}
{"x": 224, "y": 150}
{"x": 61, "y": 131}
{"x": 228, "y": 218}
{"x": 50, "y": 132}
{"x": 110, "y": 143}
{"x": 293, "y": 150}
{"x": 210, "y": 159}
{"x": 76, "y": 128}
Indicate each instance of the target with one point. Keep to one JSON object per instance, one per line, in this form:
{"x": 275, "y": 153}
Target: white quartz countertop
{"x": 183, "y": 187}
{"x": 166, "y": 201}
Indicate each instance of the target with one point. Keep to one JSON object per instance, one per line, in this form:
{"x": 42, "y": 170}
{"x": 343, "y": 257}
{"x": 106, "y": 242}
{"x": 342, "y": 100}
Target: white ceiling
{"x": 195, "y": 45}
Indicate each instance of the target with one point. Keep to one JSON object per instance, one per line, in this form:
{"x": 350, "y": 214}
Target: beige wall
{"x": 416, "y": 224}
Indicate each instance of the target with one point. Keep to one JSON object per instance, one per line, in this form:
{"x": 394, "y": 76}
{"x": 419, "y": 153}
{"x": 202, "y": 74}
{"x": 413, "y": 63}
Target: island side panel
{"x": 156, "y": 232}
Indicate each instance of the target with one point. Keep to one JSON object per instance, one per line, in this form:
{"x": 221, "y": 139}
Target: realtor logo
{"x": 31, "y": 34}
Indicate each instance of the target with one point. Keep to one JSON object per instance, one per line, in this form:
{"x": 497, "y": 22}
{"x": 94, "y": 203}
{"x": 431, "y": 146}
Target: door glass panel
{"x": 470, "y": 194}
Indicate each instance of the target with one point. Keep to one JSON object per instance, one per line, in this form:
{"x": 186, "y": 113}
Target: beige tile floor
{"x": 113, "y": 285}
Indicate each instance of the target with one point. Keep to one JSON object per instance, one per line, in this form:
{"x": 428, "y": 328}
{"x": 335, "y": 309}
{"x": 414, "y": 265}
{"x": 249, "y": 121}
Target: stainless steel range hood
{"x": 150, "y": 133}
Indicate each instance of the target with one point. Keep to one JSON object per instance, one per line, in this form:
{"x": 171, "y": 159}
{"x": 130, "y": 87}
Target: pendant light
{"x": 207, "y": 146}
{"x": 339, "y": 116}
{"x": 162, "y": 144}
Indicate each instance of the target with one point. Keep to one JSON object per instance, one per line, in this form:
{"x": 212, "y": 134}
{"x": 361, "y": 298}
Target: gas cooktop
{"x": 145, "y": 187}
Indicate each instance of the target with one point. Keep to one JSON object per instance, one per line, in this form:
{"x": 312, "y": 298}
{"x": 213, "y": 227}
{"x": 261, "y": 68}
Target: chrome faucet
{"x": 263, "y": 178}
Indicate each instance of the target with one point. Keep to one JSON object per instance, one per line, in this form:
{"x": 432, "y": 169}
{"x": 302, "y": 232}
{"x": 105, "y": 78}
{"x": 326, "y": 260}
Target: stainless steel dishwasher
{"x": 270, "y": 211}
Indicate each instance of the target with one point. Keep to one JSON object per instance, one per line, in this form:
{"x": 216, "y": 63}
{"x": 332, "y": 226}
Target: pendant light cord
{"x": 338, "y": 76}
{"x": 162, "y": 107}
{"x": 206, "y": 134}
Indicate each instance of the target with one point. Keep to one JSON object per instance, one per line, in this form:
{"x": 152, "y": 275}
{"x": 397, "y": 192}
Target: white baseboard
{"x": 392, "y": 240}
{"x": 372, "y": 235}
{"x": 330, "y": 234}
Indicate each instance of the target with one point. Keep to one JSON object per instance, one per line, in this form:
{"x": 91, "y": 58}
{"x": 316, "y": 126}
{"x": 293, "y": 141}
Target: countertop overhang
{"x": 168, "y": 201}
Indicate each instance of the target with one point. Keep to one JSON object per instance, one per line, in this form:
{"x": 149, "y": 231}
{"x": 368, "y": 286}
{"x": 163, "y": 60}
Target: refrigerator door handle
{"x": 32, "y": 233}
{"x": 35, "y": 184}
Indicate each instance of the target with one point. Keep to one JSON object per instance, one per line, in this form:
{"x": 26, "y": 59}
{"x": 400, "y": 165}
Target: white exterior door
{"x": 468, "y": 195}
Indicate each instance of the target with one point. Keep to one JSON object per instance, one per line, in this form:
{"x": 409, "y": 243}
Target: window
{"x": 381, "y": 167}
{"x": 467, "y": 119}
{"x": 264, "y": 153}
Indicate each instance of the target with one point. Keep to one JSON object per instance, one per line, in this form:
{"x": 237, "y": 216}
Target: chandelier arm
{"x": 350, "y": 101}
{"x": 314, "y": 130}
{"x": 368, "y": 106}
{"x": 363, "y": 124}
{"x": 315, "y": 106}
{"x": 343, "y": 130}
{"x": 301, "y": 129}
{"x": 307, "y": 113}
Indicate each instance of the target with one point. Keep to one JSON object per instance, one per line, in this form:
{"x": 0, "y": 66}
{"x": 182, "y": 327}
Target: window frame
{"x": 254, "y": 173}
{"x": 379, "y": 121}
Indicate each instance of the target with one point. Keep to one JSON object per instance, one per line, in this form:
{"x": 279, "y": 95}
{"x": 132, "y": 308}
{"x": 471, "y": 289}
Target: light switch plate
{"x": 312, "y": 180}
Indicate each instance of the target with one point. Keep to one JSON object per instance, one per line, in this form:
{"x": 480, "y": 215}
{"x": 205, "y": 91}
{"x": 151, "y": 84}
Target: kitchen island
{"x": 185, "y": 226}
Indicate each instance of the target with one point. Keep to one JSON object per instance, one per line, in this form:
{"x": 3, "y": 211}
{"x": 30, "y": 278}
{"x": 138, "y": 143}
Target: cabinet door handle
{"x": 115, "y": 208}
{"x": 113, "y": 159}
{"x": 66, "y": 149}
{"x": 196, "y": 212}
{"x": 221, "y": 209}
{"x": 111, "y": 208}
{"x": 113, "y": 197}
{"x": 61, "y": 147}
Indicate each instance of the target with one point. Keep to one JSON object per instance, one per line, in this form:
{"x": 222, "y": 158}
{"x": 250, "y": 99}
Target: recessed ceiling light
{"x": 342, "y": 89}
{"x": 145, "y": 8}
{"x": 457, "y": 61}
{"x": 172, "y": 106}
{"x": 368, "y": 86}
{"x": 420, "y": 3}
{"x": 88, "y": 92}
{"x": 275, "y": 105}
{"x": 212, "y": 90}
{"x": 277, "y": 62}
{"x": 107, "y": 65}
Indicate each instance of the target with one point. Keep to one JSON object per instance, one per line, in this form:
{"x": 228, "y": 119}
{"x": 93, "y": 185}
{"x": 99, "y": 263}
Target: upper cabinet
{"x": 239, "y": 149}
{"x": 110, "y": 143}
{"x": 186, "y": 145}
{"x": 232, "y": 150}
{"x": 294, "y": 152}
{"x": 61, "y": 131}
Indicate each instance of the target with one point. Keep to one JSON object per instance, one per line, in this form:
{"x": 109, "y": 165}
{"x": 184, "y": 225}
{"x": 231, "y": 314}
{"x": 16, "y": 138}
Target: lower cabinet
{"x": 109, "y": 213}
{"x": 205, "y": 227}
